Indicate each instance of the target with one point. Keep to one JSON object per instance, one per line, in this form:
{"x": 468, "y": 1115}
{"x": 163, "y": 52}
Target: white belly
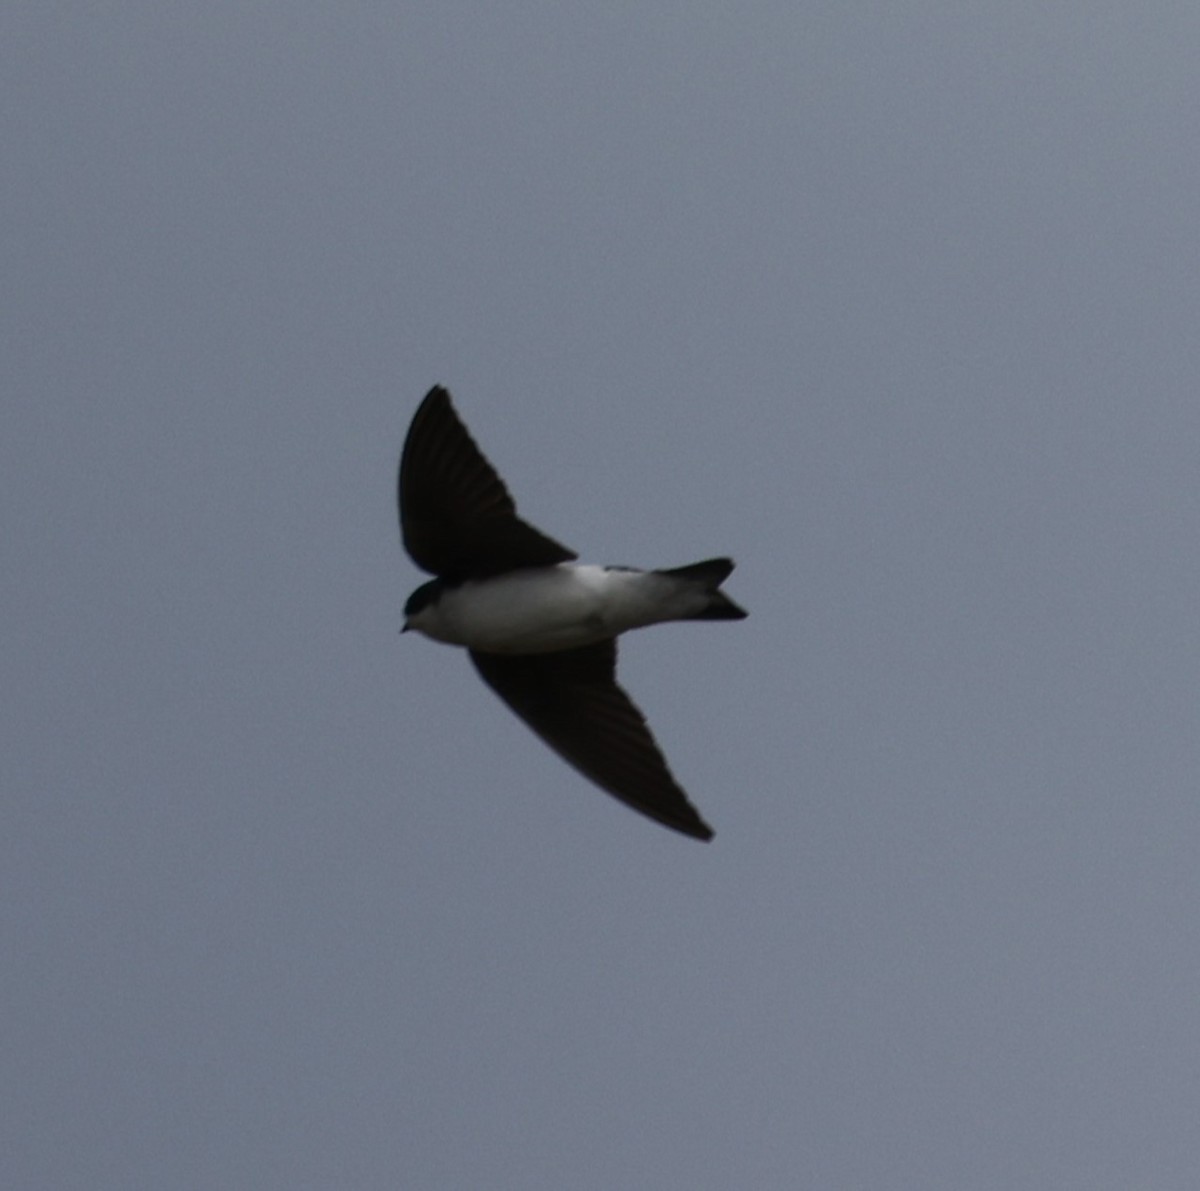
{"x": 543, "y": 609}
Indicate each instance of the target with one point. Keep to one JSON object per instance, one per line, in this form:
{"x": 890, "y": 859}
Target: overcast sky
{"x": 896, "y": 303}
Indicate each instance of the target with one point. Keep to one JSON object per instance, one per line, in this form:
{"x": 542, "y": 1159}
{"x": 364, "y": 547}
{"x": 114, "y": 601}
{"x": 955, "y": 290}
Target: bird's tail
{"x": 708, "y": 577}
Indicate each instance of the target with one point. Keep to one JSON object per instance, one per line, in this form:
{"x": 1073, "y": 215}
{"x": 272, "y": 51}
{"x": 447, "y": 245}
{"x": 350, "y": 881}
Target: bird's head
{"x": 426, "y": 596}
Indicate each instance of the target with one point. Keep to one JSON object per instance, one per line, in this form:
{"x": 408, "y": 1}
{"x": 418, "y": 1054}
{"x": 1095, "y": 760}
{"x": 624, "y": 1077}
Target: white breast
{"x": 542, "y": 609}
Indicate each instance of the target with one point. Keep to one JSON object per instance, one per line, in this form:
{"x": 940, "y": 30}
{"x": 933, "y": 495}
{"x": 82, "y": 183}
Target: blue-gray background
{"x": 896, "y": 303}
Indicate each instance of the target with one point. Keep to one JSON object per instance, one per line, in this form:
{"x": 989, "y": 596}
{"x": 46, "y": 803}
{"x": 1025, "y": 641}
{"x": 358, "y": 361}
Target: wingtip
{"x": 692, "y": 826}
{"x": 436, "y": 393}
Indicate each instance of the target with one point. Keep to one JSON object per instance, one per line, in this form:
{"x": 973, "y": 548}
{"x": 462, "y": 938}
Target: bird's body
{"x": 540, "y": 627}
{"x": 546, "y": 609}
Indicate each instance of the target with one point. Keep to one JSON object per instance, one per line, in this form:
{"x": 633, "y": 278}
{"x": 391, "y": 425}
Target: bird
{"x": 540, "y": 627}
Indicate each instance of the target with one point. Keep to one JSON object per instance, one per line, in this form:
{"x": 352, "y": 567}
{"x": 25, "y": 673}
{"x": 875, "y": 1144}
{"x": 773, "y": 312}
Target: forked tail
{"x": 709, "y": 575}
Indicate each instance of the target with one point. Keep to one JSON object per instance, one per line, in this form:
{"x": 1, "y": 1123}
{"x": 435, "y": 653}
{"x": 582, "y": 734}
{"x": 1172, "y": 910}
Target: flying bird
{"x": 541, "y": 628}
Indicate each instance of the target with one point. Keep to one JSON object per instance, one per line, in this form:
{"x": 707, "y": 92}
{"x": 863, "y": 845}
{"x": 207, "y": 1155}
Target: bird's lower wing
{"x": 572, "y": 701}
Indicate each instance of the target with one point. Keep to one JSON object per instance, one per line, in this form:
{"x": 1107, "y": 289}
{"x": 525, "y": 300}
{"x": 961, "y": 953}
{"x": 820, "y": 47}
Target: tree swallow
{"x": 540, "y": 628}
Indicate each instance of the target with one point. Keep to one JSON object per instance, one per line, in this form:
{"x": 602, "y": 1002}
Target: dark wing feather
{"x": 572, "y": 701}
{"x": 456, "y": 515}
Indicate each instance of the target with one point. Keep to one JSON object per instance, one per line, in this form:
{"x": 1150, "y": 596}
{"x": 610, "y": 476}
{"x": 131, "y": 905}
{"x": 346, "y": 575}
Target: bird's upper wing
{"x": 572, "y": 701}
{"x": 456, "y": 515}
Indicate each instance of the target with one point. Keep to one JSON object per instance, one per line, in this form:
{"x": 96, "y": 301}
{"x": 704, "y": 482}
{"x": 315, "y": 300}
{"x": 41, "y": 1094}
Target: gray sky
{"x": 898, "y": 304}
